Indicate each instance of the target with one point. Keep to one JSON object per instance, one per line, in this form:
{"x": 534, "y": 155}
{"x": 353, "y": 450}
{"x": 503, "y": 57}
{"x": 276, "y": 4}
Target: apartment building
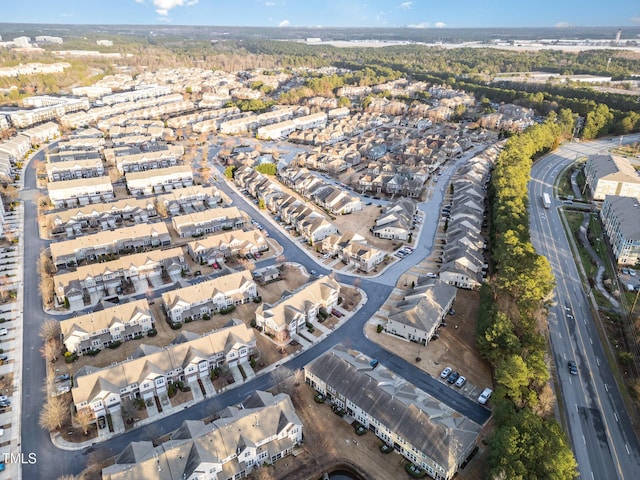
{"x": 611, "y": 175}
{"x": 621, "y": 224}
{"x": 419, "y": 314}
{"x": 362, "y": 257}
{"x": 209, "y": 297}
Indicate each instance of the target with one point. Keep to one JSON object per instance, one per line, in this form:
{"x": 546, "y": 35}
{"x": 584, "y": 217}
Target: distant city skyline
{"x": 330, "y": 13}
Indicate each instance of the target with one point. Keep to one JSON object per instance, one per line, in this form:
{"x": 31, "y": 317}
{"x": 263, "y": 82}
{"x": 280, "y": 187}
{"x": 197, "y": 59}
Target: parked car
{"x": 445, "y": 373}
{"x": 453, "y": 378}
{"x": 485, "y": 396}
{"x": 432, "y": 275}
{"x": 63, "y": 378}
{"x": 3, "y": 331}
{"x": 573, "y": 368}
{"x": 336, "y": 313}
{"x": 461, "y": 381}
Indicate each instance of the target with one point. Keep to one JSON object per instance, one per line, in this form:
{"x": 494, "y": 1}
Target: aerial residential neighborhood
{"x": 232, "y": 252}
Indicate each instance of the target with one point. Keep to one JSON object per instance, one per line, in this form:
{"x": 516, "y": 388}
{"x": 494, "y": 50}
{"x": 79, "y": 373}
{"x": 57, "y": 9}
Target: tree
{"x": 50, "y": 329}
{"x": 84, "y": 418}
{"x": 50, "y": 350}
{"x": 598, "y": 122}
{"x": 54, "y": 413}
{"x": 230, "y": 171}
{"x": 282, "y": 339}
{"x": 282, "y": 376}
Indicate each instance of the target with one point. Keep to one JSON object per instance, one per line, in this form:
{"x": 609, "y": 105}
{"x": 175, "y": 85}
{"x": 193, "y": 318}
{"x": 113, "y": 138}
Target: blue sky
{"x": 330, "y": 13}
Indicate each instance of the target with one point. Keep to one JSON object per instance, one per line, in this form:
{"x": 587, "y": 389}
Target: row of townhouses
{"x": 223, "y": 245}
{"x": 396, "y": 220}
{"x": 422, "y": 310}
{"x": 293, "y": 311}
{"x": 333, "y": 199}
{"x": 209, "y": 221}
{"x": 98, "y": 330}
{"x": 312, "y": 225}
{"x": 261, "y": 430}
{"x": 206, "y": 298}
{"x": 152, "y": 369}
{"x": 423, "y": 430}
{"x": 122, "y": 240}
{"x": 463, "y": 262}
{"x": 111, "y": 278}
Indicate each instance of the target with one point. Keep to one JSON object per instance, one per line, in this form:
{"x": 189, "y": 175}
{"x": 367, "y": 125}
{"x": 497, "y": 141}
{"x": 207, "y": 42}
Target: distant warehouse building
{"x": 611, "y": 175}
{"x": 621, "y": 223}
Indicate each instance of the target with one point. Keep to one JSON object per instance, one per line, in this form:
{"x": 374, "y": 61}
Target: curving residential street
{"x": 52, "y": 462}
{"x": 598, "y": 425}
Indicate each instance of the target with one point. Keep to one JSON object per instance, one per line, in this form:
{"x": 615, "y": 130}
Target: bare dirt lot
{"x": 361, "y": 223}
{"x": 456, "y": 347}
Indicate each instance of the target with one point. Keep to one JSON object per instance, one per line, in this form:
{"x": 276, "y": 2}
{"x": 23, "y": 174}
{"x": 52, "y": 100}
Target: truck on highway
{"x": 546, "y": 200}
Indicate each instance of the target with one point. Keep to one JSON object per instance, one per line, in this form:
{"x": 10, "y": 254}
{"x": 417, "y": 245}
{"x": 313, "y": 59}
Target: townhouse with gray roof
{"x": 225, "y": 244}
{"x": 418, "y": 315}
{"x": 106, "y": 216}
{"x": 426, "y": 432}
{"x": 261, "y": 430}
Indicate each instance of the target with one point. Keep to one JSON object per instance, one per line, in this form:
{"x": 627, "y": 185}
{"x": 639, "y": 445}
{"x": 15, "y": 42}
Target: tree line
{"x": 527, "y": 443}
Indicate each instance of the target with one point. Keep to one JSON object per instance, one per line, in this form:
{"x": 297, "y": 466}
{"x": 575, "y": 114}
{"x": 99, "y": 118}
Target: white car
{"x": 432, "y": 275}
{"x": 3, "y": 331}
{"x": 485, "y": 396}
{"x": 445, "y": 373}
{"x": 461, "y": 381}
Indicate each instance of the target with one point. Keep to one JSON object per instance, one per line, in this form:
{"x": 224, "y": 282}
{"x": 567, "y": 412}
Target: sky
{"x": 330, "y": 13}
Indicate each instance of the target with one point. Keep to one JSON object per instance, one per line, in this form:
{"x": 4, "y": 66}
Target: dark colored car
{"x": 573, "y": 368}
{"x": 453, "y": 377}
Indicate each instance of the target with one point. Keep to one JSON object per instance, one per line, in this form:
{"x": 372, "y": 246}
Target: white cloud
{"x": 163, "y": 6}
{"x": 418, "y": 25}
{"x": 562, "y": 25}
{"x": 635, "y": 20}
{"x": 284, "y": 23}
{"x": 139, "y": 1}
{"x": 406, "y": 5}
{"x": 440, "y": 25}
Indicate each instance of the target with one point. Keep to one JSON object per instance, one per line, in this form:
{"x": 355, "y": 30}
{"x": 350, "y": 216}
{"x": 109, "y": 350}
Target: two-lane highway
{"x": 603, "y": 440}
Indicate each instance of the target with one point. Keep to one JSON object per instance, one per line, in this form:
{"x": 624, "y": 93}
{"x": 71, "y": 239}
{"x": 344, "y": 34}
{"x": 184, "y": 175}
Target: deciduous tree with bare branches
{"x": 84, "y": 419}
{"x": 50, "y": 329}
{"x": 282, "y": 338}
{"x": 50, "y": 350}
{"x": 54, "y": 413}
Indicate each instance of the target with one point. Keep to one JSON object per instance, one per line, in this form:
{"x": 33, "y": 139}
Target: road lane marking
{"x": 591, "y": 340}
{"x": 627, "y": 447}
{"x": 598, "y": 361}
{"x": 616, "y": 416}
{"x": 584, "y": 440}
{"x": 606, "y": 387}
